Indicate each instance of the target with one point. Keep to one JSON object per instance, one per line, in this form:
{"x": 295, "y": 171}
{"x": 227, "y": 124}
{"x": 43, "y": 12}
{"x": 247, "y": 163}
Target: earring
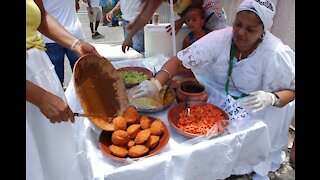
{"x": 261, "y": 37}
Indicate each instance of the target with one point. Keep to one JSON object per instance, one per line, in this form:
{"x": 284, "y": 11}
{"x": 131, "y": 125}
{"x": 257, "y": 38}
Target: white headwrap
{"x": 265, "y": 9}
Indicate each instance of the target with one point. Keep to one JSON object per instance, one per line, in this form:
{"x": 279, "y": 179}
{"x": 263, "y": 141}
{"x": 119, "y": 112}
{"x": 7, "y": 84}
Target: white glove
{"x": 259, "y": 100}
{"x": 148, "y": 88}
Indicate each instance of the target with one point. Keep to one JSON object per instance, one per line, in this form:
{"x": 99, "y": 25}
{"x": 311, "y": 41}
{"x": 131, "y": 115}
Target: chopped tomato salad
{"x": 201, "y": 119}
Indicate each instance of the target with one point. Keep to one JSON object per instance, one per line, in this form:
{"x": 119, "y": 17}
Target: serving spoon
{"x": 188, "y": 106}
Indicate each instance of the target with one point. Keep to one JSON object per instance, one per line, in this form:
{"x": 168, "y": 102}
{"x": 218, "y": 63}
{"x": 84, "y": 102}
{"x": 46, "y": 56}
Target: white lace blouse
{"x": 271, "y": 67}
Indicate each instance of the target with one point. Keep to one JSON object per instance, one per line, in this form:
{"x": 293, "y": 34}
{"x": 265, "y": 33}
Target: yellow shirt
{"x": 180, "y": 5}
{"x": 33, "y": 19}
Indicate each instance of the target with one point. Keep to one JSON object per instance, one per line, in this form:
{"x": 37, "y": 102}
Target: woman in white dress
{"x": 51, "y": 149}
{"x": 248, "y": 63}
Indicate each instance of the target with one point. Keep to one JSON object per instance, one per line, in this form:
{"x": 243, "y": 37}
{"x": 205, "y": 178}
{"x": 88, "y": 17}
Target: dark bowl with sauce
{"x": 190, "y": 88}
{"x": 141, "y": 70}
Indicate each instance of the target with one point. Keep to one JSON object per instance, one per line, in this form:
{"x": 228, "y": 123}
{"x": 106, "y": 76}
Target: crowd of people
{"x": 245, "y": 61}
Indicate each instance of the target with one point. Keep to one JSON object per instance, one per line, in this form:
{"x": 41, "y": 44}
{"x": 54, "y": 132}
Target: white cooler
{"x": 158, "y": 41}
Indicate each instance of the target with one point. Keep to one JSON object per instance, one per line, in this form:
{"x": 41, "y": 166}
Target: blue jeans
{"x": 137, "y": 40}
{"x": 56, "y": 53}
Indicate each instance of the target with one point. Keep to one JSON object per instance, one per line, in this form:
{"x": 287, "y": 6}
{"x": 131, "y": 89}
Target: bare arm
{"x": 186, "y": 42}
{"x": 172, "y": 66}
{"x": 142, "y": 7}
{"x": 286, "y": 96}
{"x": 52, "y": 106}
{"x": 140, "y": 21}
{"x": 51, "y": 28}
{"x": 113, "y": 11}
{"x": 177, "y": 25}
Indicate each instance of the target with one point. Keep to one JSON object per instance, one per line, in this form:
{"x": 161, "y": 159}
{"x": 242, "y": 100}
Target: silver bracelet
{"x": 74, "y": 44}
{"x": 167, "y": 72}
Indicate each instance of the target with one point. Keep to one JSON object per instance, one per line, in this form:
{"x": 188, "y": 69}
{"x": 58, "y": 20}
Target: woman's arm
{"x": 170, "y": 69}
{"x": 153, "y": 86}
{"x": 285, "y": 96}
{"x": 52, "y": 106}
{"x": 51, "y": 28}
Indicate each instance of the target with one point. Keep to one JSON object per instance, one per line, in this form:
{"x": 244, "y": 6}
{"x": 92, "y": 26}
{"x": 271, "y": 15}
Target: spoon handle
{"x": 86, "y": 115}
{"x": 188, "y": 105}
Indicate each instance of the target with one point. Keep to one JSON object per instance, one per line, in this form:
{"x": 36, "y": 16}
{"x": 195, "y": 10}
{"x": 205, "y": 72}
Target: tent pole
{"x": 173, "y": 28}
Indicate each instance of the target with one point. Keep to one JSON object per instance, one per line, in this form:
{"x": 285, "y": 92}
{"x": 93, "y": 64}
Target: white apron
{"x": 50, "y": 148}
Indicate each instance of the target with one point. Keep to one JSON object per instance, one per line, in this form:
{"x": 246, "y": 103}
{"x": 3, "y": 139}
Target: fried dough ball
{"x": 120, "y": 137}
{"x": 119, "y": 151}
{"x": 119, "y": 123}
{"x": 130, "y": 144}
{"x": 152, "y": 141}
{"x": 133, "y": 130}
{"x": 131, "y": 115}
{"x": 142, "y": 136}
{"x": 145, "y": 122}
{"x": 138, "y": 151}
{"x": 157, "y": 127}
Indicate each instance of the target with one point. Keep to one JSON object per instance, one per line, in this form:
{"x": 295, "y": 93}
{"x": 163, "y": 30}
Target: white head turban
{"x": 265, "y": 9}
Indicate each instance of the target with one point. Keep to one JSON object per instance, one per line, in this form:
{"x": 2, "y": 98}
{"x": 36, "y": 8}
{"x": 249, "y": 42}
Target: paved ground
{"x": 114, "y": 35}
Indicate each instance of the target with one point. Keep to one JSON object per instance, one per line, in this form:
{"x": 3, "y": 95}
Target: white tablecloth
{"x": 114, "y": 52}
{"x": 183, "y": 158}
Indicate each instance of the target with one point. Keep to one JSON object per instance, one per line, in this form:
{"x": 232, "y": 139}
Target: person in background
{"x": 130, "y": 9}
{"x": 50, "y": 148}
{"x": 215, "y": 17}
{"x": 248, "y": 63}
{"x": 213, "y": 11}
{"x": 65, "y": 12}
{"x": 195, "y": 22}
{"x": 105, "y": 9}
{"x": 95, "y": 15}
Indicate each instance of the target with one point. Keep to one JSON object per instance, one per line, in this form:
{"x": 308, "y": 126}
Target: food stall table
{"x": 113, "y": 52}
{"x": 183, "y": 157}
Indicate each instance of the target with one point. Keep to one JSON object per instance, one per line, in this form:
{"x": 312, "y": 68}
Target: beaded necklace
{"x": 232, "y": 52}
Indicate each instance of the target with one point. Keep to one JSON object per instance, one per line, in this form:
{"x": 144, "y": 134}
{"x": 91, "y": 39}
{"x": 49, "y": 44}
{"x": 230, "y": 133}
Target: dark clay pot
{"x": 192, "y": 89}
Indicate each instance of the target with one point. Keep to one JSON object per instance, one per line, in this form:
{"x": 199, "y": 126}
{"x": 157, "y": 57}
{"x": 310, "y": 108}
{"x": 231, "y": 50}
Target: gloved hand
{"x": 148, "y": 88}
{"x": 259, "y": 100}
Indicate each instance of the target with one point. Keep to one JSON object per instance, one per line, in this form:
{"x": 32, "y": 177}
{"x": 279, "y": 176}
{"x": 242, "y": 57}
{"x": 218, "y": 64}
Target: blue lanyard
{"x": 232, "y": 51}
